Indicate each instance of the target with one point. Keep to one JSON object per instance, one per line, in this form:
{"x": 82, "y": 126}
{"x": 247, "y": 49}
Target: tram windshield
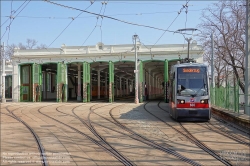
{"x": 192, "y": 81}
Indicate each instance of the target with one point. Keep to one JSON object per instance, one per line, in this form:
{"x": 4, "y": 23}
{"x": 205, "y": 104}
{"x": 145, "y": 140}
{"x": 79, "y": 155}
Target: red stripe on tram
{"x": 192, "y": 105}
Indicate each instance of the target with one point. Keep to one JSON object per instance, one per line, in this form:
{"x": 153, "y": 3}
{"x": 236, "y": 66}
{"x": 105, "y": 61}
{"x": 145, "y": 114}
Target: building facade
{"x": 83, "y": 73}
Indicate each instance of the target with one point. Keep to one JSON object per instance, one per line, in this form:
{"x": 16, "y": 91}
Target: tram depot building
{"x": 85, "y": 73}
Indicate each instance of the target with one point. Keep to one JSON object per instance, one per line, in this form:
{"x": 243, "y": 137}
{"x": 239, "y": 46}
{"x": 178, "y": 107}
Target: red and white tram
{"x": 189, "y": 92}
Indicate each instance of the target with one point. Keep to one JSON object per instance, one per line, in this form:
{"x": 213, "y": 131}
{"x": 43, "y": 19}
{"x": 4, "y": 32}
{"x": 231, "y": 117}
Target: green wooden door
{"x": 37, "y": 82}
{"x": 86, "y": 82}
{"x": 25, "y": 86}
{"x": 111, "y": 81}
{"x": 140, "y": 82}
{"x": 62, "y": 86}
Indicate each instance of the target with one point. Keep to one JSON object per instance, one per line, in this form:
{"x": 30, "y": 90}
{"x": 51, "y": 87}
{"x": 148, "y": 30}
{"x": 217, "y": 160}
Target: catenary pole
{"x": 136, "y": 72}
{"x": 3, "y": 76}
{"x": 212, "y": 68}
{"x": 247, "y": 69}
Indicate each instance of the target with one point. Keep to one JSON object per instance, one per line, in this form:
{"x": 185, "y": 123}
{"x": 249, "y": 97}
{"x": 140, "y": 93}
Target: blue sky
{"x": 43, "y": 22}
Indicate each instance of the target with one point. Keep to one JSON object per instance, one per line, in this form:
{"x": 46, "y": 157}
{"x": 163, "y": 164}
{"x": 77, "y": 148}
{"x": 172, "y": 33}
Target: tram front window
{"x": 192, "y": 81}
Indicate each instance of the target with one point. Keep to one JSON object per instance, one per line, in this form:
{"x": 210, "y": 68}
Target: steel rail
{"x": 40, "y": 146}
{"x": 151, "y": 143}
{"x": 193, "y": 139}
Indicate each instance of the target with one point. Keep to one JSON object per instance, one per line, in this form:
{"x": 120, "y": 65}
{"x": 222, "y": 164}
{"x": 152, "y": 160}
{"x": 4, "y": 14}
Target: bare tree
{"x": 30, "y": 44}
{"x": 41, "y": 46}
{"x": 226, "y": 19}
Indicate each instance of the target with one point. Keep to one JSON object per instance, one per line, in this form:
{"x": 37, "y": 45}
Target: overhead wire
{"x": 150, "y": 49}
{"x": 146, "y": 3}
{"x": 11, "y": 12}
{"x": 170, "y": 24}
{"x": 125, "y": 14}
{"x": 94, "y": 27}
{"x": 13, "y": 19}
{"x": 5, "y": 21}
{"x": 14, "y": 13}
{"x": 186, "y": 7}
{"x": 73, "y": 18}
{"x": 102, "y": 19}
{"x": 131, "y": 23}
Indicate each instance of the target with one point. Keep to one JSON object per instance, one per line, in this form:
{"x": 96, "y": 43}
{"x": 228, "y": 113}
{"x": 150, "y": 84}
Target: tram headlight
{"x": 204, "y": 101}
{"x": 181, "y": 101}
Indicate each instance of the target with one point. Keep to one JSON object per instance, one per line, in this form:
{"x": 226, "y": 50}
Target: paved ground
{"x": 121, "y": 133}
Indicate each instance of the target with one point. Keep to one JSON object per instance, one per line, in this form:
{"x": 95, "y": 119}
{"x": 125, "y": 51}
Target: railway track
{"x": 218, "y": 130}
{"x": 116, "y": 154}
{"x": 183, "y": 131}
{"x": 225, "y": 133}
{"x": 89, "y": 125}
{"x": 149, "y": 142}
{"x": 245, "y": 131}
{"x": 39, "y": 144}
{"x": 133, "y": 134}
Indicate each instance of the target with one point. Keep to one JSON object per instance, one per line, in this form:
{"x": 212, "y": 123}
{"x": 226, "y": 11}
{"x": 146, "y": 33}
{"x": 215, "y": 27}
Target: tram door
{"x": 26, "y": 83}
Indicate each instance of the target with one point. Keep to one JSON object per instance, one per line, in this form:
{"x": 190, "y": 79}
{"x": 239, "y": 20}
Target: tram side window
{"x": 173, "y": 87}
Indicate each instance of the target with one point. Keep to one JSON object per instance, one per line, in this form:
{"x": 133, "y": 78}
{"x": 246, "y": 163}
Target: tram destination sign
{"x": 191, "y": 70}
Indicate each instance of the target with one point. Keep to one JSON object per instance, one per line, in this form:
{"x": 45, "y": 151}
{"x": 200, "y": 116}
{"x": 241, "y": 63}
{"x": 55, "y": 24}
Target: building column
{"x": 3, "y": 81}
{"x": 106, "y": 86}
{"x": 149, "y": 84}
{"x": 120, "y": 87}
{"x": 158, "y": 85}
{"x": 123, "y": 85}
{"x": 132, "y": 83}
{"x": 98, "y": 84}
{"x": 127, "y": 87}
{"x": 153, "y": 85}
{"x": 79, "y": 96}
{"x": 16, "y": 77}
{"x": 91, "y": 84}
{"x": 117, "y": 91}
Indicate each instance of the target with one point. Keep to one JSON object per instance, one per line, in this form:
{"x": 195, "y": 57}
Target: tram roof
{"x": 187, "y": 65}
{"x": 190, "y": 64}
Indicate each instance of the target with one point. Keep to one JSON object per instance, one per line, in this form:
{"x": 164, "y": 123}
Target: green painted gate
{"x": 25, "y": 82}
{"x": 140, "y": 82}
{"x": 111, "y": 81}
{"x": 61, "y": 82}
{"x": 37, "y": 82}
{"x": 86, "y": 82}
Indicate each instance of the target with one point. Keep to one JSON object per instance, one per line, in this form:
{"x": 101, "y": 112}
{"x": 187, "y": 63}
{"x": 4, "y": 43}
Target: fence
{"x": 226, "y": 97}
